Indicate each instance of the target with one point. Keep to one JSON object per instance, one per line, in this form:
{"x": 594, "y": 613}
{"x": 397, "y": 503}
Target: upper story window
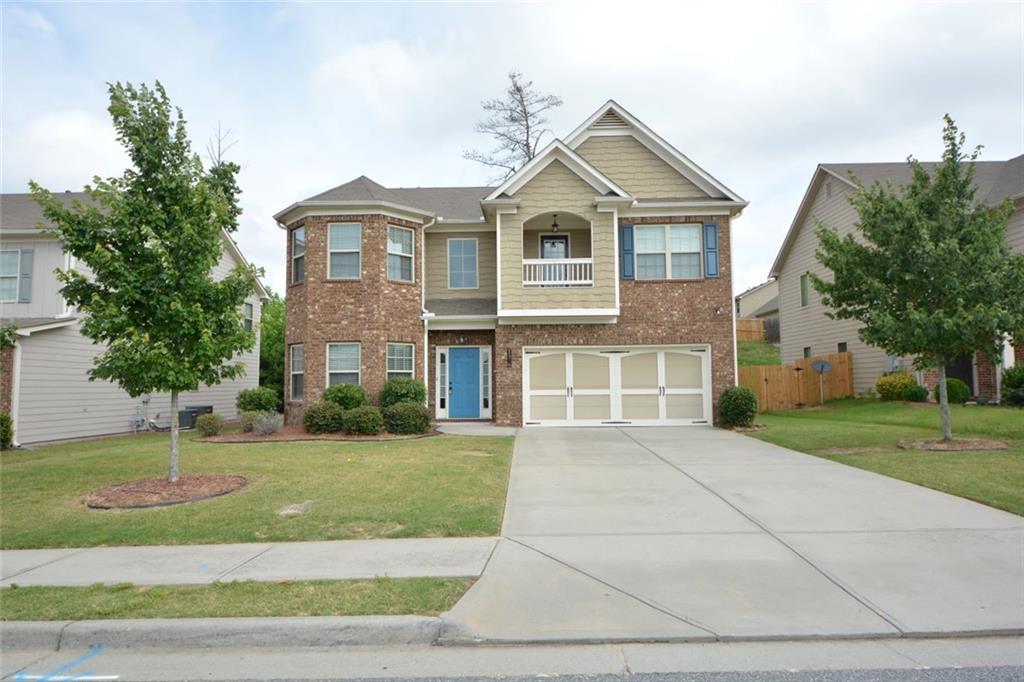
{"x": 247, "y": 316}
{"x": 400, "y": 360}
{"x": 400, "y": 252}
{"x": 298, "y": 255}
{"x": 9, "y": 271}
{"x": 668, "y": 251}
{"x": 462, "y": 263}
{"x": 344, "y": 241}
{"x": 296, "y": 370}
{"x": 805, "y": 290}
{"x": 342, "y": 363}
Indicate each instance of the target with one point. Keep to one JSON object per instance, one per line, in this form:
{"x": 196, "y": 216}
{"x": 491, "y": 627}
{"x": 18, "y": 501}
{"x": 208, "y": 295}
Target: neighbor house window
{"x": 297, "y": 370}
{"x": 400, "y": 360}
{"x": 841, "y": 347}
{"x": 807, "y": 351}
{"x": 668, "y": 251}
{"x": 805, "y": 290}
{"x": 247, "y": 316}
{"x": 298, "y": 255}
{"x": 343, "y": 244}
{"x": 9, "y": 265}
{"x": 342, "y": 363}
{"x": 400, "y": 247}
{"x": 462, "y": 264}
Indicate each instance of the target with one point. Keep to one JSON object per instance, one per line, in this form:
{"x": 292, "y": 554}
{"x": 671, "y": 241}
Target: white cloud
{"x": 31, "y": 18}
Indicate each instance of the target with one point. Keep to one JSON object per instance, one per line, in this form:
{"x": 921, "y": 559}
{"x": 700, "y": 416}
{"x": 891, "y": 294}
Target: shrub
{"x": 956, "y": 391}
{"x": 323, "y": 418}
{"x": 259, "y": 399}
{"x": 247, "y": 418}
{"x": 267, "y": 423}
{"x": 402, "y": 390}
{"x": 737, "y": 406}
{"x": 890, "y": 386}
{"x": 1013, "y": 385}
{"x": 6, "y": 431}
{"x": 209, "y": 424}
{"x": 347, "y": 395}
{"x": 363, "y": 421}
{"x": 407, "y": 418}
{"x": 914, "y": 394}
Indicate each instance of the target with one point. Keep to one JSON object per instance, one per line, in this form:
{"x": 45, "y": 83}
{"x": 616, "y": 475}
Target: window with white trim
{"x": 400, "y": 252}
{"x": 247, "y": 316}
{"x": 668, "y": 251}
{"x": 344, "y": 241}
{"x": 296, "y": 370}
{"x": 9, "y": 271}
{"x": 298, "y": 255}
{"x": 342, "y": 363}
{"x": 400, "y": 360}
{"x": 463, "y": 263}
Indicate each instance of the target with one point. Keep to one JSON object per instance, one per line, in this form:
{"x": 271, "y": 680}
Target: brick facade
{"x": 985, "y": 381}
{"x": 372, "y": 310}
{"x": 6, "y": 378}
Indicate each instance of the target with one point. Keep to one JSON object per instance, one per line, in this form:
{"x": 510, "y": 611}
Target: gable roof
{"x": 613, "y": 119}
{"x": 558, "y": 151}
{"x": 995, "y": 180}
{"x": 769, "y": 306}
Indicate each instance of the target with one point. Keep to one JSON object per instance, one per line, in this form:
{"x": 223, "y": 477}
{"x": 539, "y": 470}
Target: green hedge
{"x": 363, "y": 421}
{"x": 402, "y": 390}
{"x": 405, "y": 418}
{"x": 347, "y": 395}
{"x": 323, "y": 417}
{"x": 6, "y": 431}
{"x": 737, "y": 406}
{"x": 956, "y": 390}
{"x": 259, "y": 399}
{"x": 209, "y": 424}
{"x": 890, "y": 386}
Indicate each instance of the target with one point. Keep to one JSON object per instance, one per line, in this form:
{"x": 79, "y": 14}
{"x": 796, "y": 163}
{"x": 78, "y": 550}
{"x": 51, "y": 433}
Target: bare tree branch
{"x": 219, "y": 145}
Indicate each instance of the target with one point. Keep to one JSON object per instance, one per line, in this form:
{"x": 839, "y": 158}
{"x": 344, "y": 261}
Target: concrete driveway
{"x": 698, "y": 533}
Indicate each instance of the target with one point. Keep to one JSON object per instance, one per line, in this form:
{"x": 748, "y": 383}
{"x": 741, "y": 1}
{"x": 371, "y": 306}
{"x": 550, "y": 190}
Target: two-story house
{"x": 592, "y": 287}
{"x": 807, "y": 330}
{"x": 44, "y": 384}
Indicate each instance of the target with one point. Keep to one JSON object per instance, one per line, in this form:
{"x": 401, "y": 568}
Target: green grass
{"x": 750, "y": 353}
{"x": 432, "y": 487}
{"x": 864, "y": 434}
{"x": 382, "y": 596}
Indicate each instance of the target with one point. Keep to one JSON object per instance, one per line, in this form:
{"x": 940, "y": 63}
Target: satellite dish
{"x": 821, "y": 366}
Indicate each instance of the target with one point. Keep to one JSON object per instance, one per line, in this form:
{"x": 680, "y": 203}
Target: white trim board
{"x": 558, "y": 151}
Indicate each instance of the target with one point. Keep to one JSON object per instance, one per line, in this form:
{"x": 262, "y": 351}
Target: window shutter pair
{"x": 711, "y": 264}
{"x": 25, "y": 277}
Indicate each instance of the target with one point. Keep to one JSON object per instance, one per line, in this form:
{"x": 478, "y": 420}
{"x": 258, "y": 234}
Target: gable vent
{"x": 610, "y": 119}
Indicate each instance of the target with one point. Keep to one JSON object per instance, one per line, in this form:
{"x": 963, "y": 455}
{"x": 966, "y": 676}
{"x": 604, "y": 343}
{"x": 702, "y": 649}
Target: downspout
{"x": 424, "y": 315}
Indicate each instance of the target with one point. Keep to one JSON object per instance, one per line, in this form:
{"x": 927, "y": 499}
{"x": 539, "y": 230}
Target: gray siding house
{"x": 806, "y": 330}
{"x": 44, "y": 384}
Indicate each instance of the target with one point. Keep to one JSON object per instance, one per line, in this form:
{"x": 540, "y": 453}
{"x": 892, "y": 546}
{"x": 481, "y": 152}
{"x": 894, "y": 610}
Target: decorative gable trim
{"x": 602, "y": 122}
{"x": 557, "y": 151}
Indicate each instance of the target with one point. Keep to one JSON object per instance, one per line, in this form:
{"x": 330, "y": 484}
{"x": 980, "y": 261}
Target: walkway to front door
{"x": 464, "y": 383}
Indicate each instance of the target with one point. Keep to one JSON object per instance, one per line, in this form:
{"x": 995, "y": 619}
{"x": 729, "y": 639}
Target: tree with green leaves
{"x": 272, "y": 345}
{"x": 929, "y": 274}
{"x": 150, "y": 240}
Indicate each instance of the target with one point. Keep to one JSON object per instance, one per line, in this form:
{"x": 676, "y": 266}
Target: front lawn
{"x": 752, "y": 353}
{"x": 431, "y": 487}
{"x": 864, "y": 433}
{"x": 382, "y": 596}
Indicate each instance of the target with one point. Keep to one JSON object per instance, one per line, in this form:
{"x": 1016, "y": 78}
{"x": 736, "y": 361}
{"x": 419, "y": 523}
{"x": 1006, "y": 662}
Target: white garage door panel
{"x": 614, "y": 386}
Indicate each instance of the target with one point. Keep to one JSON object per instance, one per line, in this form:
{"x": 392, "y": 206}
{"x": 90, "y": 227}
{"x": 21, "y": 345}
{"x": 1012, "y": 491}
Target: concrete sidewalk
{"x": 265, "y": 562}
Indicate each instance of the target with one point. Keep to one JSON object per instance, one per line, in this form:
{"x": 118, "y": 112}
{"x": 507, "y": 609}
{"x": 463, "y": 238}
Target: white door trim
{"x": 486, "y": 387}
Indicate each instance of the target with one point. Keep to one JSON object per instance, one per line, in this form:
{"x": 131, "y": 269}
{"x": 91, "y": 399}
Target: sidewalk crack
{"x": 237, "y": 566}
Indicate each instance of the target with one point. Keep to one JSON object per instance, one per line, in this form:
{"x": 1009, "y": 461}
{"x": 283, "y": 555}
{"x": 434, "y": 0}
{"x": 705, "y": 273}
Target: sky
{"x": 316, "y": 94}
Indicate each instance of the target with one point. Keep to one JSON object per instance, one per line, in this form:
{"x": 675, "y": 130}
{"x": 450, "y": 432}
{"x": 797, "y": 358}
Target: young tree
{"x": 272, "y": 345}
{"x": 150, "y": 240}
{"x": 516, "y": 122}
{"x": 932, "y": 276}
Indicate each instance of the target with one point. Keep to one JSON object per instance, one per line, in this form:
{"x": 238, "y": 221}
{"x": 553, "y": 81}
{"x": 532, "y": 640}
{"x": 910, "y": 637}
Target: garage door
{"x": 616, "y": 386}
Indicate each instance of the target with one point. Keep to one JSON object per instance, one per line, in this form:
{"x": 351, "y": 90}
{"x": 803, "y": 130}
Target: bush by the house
{"x": 402, "y": 390}
{"x": 890, "y": 386}
{"x": 347, "y": 395}
{"x": 1013, "y": 385}
{"x": 247, "y": 418}
{"x": 209, "y": 424}
{"x": 914, "y": 394}
{"x": 406, "y": 418}
{"x": 956, "y": 390}
{"x": 323, "y": 417}
{"x": 363, "y": 421}
{"x": 259, "y": 399}
{"x": 737, "y": 406}
{"x": 6, "y": 431}
{"x": 267, "y": 423}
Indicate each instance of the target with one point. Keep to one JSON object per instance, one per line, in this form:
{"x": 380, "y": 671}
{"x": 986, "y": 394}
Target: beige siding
{"x": 47, "y": 256}
{"x": 557, "y": 188}
{"x": 756, "y": 299}
{"x": 437, "y": 265}
{"x": 1015, "y": 229}
{"x": 635, "y": 168}
{"x": 579, "y": 243}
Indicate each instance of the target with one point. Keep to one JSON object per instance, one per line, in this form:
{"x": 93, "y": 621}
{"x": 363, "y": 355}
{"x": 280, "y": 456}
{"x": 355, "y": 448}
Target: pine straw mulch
{"x": 159, "y": 492}
{"x": 297, "y": 433}
{"x": 955, "y": 445}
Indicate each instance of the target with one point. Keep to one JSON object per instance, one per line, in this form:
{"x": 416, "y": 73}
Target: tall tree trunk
{"x": 947, "y": 422}
{"x": 172, "y": 469}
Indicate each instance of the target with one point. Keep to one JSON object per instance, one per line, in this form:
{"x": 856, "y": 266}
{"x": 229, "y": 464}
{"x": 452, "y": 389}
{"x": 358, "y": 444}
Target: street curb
{"x": 210, "y": 633}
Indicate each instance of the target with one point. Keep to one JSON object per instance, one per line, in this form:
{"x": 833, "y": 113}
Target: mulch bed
{"x": 297, "y": 433}
{"x": 159, "y": 492}
{"x": 955, "y": 445}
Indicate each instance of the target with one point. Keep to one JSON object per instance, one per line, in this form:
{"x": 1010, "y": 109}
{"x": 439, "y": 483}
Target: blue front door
{"x": 464, "y": 381}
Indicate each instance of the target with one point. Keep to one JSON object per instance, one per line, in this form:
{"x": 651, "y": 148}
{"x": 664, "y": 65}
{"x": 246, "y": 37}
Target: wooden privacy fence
{"x": 783, "y": 387}
{"x": 749, "y": 329}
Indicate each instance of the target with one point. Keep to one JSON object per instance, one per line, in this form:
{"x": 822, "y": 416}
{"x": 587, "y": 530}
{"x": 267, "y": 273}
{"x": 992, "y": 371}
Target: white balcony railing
{"x": 558, "y": 272}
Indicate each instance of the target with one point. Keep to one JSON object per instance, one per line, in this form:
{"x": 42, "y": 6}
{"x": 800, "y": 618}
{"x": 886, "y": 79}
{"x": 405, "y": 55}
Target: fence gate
{"x": 784, "y": 387}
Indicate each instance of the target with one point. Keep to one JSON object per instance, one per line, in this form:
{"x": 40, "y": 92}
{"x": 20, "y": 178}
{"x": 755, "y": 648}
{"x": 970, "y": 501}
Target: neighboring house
{"x": 45, "y": 386}
{"x": 591, "y": 287}
{"x": 805, "y": 328}
{"x": 758, "y": 302}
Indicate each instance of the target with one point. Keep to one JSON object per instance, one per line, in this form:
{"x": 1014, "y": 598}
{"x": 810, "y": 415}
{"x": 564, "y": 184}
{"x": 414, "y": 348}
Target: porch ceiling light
{"x": 554, "y": 223}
